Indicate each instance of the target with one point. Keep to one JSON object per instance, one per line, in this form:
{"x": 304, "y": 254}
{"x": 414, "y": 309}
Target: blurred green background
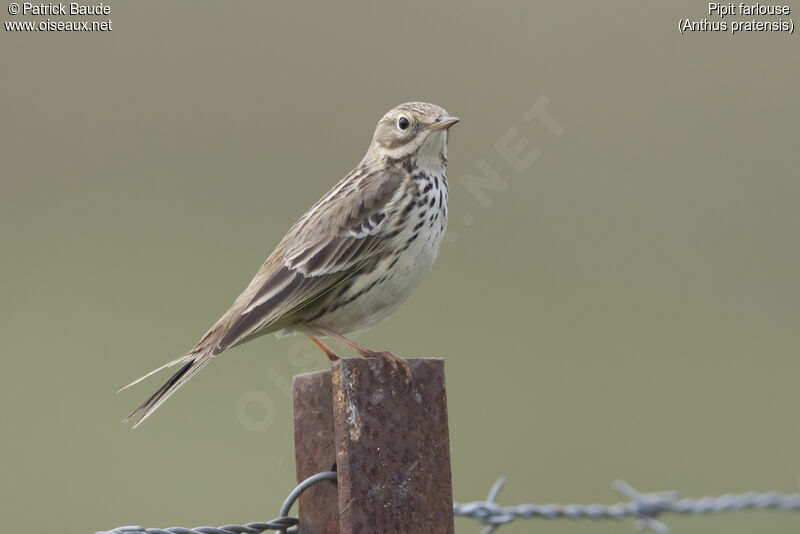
{"x": 625, "y": 306}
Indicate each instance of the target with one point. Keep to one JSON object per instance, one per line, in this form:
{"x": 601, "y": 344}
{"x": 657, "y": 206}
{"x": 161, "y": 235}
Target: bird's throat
{"x": 432, "y": 154}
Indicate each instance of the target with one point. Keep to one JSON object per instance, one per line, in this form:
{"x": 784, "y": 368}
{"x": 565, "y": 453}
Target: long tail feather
{"x": 194, "y": 362}
{"x": 176, "y": 361}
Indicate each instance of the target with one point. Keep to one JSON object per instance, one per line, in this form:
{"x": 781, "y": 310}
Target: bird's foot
{"x": 396, "y": 361}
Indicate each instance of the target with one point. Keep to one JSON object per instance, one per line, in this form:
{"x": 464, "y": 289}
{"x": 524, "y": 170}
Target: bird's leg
{"x": 332, "y": 356}
{"x": 392, "y": 358}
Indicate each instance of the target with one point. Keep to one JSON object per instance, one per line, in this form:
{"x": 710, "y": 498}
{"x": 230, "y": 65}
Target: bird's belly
{"x": 375, "y": 295}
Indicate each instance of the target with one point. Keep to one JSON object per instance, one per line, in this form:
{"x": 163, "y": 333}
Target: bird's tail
{"x": 190, "y": 364}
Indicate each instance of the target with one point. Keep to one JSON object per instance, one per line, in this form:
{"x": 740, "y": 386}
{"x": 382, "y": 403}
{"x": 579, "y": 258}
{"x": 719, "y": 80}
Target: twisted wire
{"x": 644, "y": 507}
{"x": 283, "y": 523}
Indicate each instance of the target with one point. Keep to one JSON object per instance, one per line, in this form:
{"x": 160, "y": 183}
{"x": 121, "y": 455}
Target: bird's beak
{"x": 442, "y": 123}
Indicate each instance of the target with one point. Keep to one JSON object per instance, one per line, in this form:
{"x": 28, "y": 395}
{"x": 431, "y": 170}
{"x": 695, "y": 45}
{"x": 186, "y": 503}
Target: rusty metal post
{"x": 391, "y": 444}
{"x": 392, "y": 447}
{"x": 315, "y": 451}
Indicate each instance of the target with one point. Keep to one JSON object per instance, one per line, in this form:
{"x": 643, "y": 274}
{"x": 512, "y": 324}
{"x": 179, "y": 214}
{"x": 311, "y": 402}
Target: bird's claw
{"x": 397, "y": 363}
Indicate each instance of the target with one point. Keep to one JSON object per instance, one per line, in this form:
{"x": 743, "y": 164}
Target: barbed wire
{"x": 644, "y": 507}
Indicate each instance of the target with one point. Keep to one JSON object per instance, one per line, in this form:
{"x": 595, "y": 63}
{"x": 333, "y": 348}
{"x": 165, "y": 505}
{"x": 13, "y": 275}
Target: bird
{"x": 351, "y": 260}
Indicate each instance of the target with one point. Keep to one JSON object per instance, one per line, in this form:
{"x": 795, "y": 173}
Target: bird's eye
{"x": 402, "y": 123}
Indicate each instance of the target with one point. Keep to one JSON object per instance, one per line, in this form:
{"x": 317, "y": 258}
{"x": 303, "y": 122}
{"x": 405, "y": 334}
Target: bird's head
{"x": 413, "y": 128}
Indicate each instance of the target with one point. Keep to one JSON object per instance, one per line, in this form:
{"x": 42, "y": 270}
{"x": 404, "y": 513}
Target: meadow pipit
{"x": 352, "y": 259}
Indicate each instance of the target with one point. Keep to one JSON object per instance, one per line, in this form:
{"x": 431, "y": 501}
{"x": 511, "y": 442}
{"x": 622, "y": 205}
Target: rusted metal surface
{"x": 315, "y": 452}
{"x": 392, "y": 447}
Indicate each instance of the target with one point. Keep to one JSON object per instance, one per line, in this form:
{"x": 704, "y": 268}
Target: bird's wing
{"x": 330, "y": 243}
